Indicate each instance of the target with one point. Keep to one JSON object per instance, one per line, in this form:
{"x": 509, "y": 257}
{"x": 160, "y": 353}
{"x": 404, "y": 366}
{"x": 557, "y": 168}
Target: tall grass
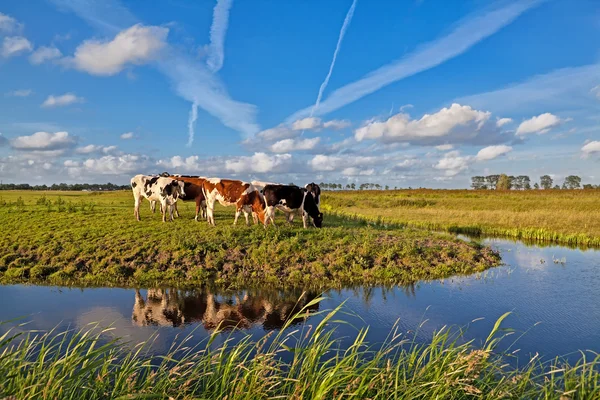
{"x": 297, "y": 363}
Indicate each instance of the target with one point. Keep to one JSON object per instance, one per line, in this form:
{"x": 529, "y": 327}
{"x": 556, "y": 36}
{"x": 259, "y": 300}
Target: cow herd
{"x": 256, "y": 199}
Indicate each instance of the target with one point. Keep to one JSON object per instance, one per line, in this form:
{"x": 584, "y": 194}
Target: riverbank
{"x": 570, "y": 217}
{"x": 91, "y": 239}
{"x": 305, "y": 362}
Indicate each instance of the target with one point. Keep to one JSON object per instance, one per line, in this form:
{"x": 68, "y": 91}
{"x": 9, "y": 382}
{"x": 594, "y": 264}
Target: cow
{"x": 245, "y": 196}
{"x": 315, "y": 190}
{"x": 164, "y": 190}
{"x": 193, "y": 191}
{"x": 291, "y": 198}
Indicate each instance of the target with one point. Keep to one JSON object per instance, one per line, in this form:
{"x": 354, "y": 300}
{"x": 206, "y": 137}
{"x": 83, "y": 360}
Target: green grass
{"x": 91, "y": 239}
{"x": 570, "y": 217}
{"x": 295, "y": 363}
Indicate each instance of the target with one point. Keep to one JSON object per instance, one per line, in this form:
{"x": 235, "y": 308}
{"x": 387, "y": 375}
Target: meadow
{"x": 92, "y": 239}
{"x": 294, "y": 363}
{"x": 569, "y": 217}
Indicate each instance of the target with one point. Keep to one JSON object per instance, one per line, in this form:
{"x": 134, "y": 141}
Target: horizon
{"x": 404, "y": 95}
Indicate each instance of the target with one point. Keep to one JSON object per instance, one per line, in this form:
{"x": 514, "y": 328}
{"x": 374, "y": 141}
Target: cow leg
{"x": 163, "y": 208}
{"x": 198, "y": 205}
{"x": 153, "y": 206}
{"x": 246, "y": 214}
{"x": 136, "y": 207}
{"x": 290, "y": 217}
{"x": 304, "y": 218}
{"x": 238, "y": 211}
{"x": 203, "y": 207}
{"x": 254, "y": 218}
{"x": 269, "y": 215}
{"x": 176, "y": 210}
{"x": 210, "y": 213}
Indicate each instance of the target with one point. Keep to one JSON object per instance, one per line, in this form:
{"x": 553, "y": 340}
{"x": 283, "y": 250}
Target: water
{"x": 552, "y": 292}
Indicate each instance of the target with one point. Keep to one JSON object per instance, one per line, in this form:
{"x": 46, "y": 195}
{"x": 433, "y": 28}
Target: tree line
{"x": 352, "y": 186}
{"x": 65, "y": 186}
{"x": 523, "y": 182}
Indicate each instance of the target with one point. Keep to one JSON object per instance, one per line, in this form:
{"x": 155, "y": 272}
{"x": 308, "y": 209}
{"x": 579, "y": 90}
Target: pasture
{"x": 93, "y": 239}
{"x": 570, "y": 217}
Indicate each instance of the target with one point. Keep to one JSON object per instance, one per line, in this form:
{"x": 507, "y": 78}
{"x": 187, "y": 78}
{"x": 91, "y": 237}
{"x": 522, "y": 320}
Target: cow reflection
{"x": 169, "y": 307}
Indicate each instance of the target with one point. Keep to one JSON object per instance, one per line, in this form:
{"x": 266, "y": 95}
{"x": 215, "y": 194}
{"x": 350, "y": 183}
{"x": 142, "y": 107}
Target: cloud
{"x": 71, "y": 164}
{"x": 62, "y": 100}
{"x": 127, "y": 135}
{"x": 596, "y": 91}
{"x": 9, "y": 25}
{"x": 116, "y": 165}
{"x": 453, "y": 163}
{"x": 43, "y": 54}
{"x": 590, "y": 148}
{"x": 44, "y": 141}
{"x": 3, "y": 140}
{"x": 136, "y": 45}
{"x": 345, "y": 25}
{"x": 540, "y": 124}
{"x": 308, "y": 123}
{"x": 20, "y": 93}
{"x": 260, "y": 163}
{"x": 336, "y": 124}
{"x": 466, "y": 34}
{"x": 322, "y": 162}
{"x": 289, "y": 145}
{"x": 14, "y": 45}
{"x": 500, "y": 122}
{"x": 94, "y": 148}
{"x": 491, "y": 152}
{"x": 353, "y": 171}
{"x": 218, "y": 29}
{"x": 456, "y": 124}
{"x": 444, "y": 147}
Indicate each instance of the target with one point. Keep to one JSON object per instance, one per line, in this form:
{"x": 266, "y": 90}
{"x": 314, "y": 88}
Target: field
{"x": 570, "y": 217}
{"x": 92, "y": 239}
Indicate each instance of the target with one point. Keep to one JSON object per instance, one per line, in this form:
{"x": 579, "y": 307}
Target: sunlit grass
{"x": 296, "y": 363}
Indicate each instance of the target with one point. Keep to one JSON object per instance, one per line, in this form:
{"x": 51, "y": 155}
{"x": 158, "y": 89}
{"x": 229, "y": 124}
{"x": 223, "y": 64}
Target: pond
{"x": 552, "y": 292}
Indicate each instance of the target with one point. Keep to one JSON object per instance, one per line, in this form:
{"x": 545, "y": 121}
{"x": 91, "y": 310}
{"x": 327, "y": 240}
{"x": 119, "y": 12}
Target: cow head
{"x": 180, "y": 185}
{"x": 318, "y": 220}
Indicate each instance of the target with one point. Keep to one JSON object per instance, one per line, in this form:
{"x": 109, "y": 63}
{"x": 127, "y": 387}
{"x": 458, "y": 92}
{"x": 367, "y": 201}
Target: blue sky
{"x": 421, "y": 93}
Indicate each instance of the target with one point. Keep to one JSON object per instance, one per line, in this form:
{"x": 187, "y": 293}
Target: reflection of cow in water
{"x": 169, "y": 307}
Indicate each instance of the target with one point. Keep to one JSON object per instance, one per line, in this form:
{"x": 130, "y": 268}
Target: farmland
{"x": 92, "y": 239}
{"x": 570, "y": 217}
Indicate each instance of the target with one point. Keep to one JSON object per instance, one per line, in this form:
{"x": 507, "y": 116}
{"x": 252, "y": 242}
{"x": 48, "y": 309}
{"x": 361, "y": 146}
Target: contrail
{"x": 347, "y": 21}
{"x": 465, "y": 35}
{"x": 217, "y": 34}
{"x": 191, "y": 123}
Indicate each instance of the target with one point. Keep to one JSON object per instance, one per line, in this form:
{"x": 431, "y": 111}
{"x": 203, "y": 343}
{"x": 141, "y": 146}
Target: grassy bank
{"x": 298, "y": 364}
{"x": 89, "y": 239}
{"x": 560, "y": 216}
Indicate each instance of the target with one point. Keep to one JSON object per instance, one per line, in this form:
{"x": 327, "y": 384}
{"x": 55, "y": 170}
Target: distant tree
{"x": 522, "y": 182}
{"x": 377, "y": 186}
{"x": 536, "y": 186}
{"x": 546, "y": 182}
{"x": 504, "y": 182}
{"x": 588, "y": 186}
{"x": 387, "y": 187}
{"x": 492, "y": 181}
{"x": 572, "y": 182}
{"x": 556, "y": 187}
{"x": 512, "y": 181}
{"x": 353, "y": 185}
{"x": 395, "y": 187}
{"x": 478, "y": 182}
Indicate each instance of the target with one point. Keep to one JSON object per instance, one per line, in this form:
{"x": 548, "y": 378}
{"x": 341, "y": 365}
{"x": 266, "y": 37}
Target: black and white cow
{"x": 164, "y": 190}
{"x": 290, "y": 199}
{"x": 315, "y": 190}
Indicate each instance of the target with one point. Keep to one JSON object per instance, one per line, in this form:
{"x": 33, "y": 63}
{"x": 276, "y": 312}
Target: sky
{"x": 413, "y": 93}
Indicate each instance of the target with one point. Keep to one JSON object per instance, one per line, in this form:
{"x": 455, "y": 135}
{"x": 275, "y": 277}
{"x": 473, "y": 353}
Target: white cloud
{"x": 456, "y": 124}
{"x": 500, "y": 122}
{"x": 218, "y": 29}
{"x": 453, "y": 163}
{"x": 466, "y": 34}
{"x": 491, "y": 152}
{"x": 44, "y": 141}
{"x": 444, "y": 147}
{"x": 71, "y": 164}
{"x": 115, "y": 165}
{"x": 94, "y": 148}
{"x": 596, "y": 91}
{"x": 136, "y": 45}
{"x": 127, "y": 135}
{"x": 260, "y": 163}
{"x": 8, "y": 24}
{"x": 62, "y": 100}
{"x": 308, "y": 123}
{"x": 14, "y": 45}
{"x": 43, "y": 54}
{"x": 540, "y": 124}
{"x": 288, "y": 145}
{"x": 20, "y": 93}
{"x": 322, "y": 162}
{"x": 353, "y": 171}
{"x": 336, "y": 124}
{"x": 590, "y": 148}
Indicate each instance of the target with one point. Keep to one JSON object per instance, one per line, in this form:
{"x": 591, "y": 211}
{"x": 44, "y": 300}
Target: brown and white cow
{"x": 193, "y": 192}
{"x": 245, "y": 196}
{"x": 164, "y": 190}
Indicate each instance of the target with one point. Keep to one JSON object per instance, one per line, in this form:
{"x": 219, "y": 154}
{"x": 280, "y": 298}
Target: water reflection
{"x": 172, "y": 307}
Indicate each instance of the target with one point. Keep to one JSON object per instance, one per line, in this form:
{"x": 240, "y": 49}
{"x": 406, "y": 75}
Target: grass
{"x": 570, "y": 217}
{"x": 295, "y": 363}
{"x": 92, "y": 239}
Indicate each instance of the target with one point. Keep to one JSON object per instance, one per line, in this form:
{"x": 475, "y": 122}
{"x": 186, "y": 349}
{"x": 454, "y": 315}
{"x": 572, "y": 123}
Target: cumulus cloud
{"x": 260, "y": 163}
{"x": 590, "y": 148}
{"x": 540, "y": 124}
{"x": 127, "y": 135}
{"x": 9, "y": 25}
{"x": 322, "y": 162}
{"x": 444, "y": 147}
{"x": 94, "y": 148}
{"x": 44, "y": 141}
{"x": 62, "y": 100}
{"x": 353, "y": 171}
{"x": 500, "y": 122}
{"x": 116, "y": 165}
{"x": 453, "y": 163}
{"x": 71, "y": 163}
{"x": 336, "y": 124}
{"x": 43, "y": 54}
{"x": 288, "y": 145}
{"x": 136, "y": 45}
{"x": 456, "y": 124}
{"x": 20, "y": 93}
{"x": 491, "y": 152}
{"x": 307, "y": 123}
{"x": 14, "y": 45}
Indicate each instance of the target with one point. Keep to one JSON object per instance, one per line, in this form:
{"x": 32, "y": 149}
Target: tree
{"x": 387, "y": 187}
{"x": 504, "y": 182}
{"x": 572, "y": 182}
{"x": 492, "y": 181}
{"x": 522, "y": 182}
{"x": 353, "y": 186}
{"x": 536, "y": 186}
{"x": 546, "y": 182}
{"x": 478, "y": 182}
{"x": 556, "y": 187}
